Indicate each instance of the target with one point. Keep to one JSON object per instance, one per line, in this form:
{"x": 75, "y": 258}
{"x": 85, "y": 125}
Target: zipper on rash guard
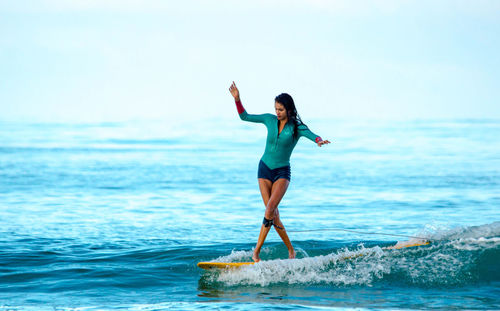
{"x": 278, "y": 136}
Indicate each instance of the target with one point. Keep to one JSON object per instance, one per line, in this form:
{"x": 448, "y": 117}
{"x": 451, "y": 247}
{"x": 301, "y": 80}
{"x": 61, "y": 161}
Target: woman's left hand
{"x": 323, "y": 142}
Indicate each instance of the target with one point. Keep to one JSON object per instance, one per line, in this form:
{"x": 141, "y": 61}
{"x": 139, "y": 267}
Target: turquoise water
{"x": 116, "y": 216}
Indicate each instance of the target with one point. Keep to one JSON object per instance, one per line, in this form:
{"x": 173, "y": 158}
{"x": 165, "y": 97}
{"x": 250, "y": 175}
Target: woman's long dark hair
{"x": 287, "y": 101}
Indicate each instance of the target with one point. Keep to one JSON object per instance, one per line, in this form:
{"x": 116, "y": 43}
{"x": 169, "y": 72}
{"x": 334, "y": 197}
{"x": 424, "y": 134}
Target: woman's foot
{"x": 255, "y": 256}
{"x": 291, "y": 254}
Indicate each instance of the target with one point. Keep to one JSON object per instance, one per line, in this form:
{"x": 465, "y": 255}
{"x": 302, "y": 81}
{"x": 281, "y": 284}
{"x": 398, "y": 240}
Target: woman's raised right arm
{"x": 259, "y": 118}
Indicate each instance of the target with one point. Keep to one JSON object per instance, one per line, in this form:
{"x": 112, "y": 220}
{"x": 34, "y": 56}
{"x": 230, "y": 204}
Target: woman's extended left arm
{"x": 304, "y": 131}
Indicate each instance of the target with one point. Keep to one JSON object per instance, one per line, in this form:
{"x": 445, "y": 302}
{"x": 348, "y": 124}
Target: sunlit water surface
{"x": 116, "y": 216}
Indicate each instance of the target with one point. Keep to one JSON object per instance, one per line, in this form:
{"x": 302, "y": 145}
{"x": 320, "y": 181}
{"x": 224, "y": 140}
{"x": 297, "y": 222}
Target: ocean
{"x": 116, "y": 215}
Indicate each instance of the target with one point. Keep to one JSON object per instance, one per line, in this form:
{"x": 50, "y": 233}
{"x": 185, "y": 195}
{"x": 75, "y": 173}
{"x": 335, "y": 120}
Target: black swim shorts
{"x": 273, "y": 174}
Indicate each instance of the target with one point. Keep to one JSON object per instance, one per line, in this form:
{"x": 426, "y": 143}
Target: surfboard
{"x": 407, "y": 244}
{"x": 235, "y": 265}
{"x": 223, "y": 265}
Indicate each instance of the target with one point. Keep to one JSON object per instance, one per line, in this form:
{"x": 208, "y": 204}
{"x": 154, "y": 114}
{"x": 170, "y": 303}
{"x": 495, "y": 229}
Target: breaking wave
{"x": 453, "y": 258}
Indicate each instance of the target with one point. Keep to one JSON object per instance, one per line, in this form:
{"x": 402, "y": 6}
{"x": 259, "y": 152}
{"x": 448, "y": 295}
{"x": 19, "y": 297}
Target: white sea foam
{"x": 445, "y": 261}
{"x": 235, "y": 256}
{"x": 308, "y": 270}
{"x": 246, "y": 255}
{"x": 483, "y": 231}
{"x": 472, "y": 244}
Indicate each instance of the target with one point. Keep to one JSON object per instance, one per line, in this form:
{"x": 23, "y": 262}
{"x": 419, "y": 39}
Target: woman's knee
{"x": 271, "y": 205}
{"x": 270, "y": 213}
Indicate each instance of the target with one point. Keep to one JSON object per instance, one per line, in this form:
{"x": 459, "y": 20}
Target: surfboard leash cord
{"x": 361, "y": 232}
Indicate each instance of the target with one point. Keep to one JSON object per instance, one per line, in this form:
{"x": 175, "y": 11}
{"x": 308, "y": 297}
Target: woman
{"x": 283, "y": 132}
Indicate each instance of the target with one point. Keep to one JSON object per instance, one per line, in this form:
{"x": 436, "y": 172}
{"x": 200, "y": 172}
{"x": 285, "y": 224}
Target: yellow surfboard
{"x": 223, "y": 265}
{"x": 407, "y": 244}
{"x": 235, "y": 265}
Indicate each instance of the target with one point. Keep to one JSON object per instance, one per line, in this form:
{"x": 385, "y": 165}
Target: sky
{"x": 111, "y": 60}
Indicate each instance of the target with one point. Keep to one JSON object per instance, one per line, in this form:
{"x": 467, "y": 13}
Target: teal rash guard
{"x": 279, "y": 146}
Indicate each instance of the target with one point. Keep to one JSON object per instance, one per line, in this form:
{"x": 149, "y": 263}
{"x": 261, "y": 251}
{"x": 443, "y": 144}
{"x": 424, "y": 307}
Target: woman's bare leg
{"x": 272, "y": 193}
{"x": 283, "y": 235}
{"x": 265, "y": 186}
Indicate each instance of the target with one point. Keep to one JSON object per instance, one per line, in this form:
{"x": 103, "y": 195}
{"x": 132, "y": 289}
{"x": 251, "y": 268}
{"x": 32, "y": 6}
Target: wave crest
{"x": 455, "y": 257}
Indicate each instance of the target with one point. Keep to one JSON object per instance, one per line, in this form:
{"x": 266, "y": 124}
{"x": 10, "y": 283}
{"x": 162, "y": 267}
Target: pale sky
{"x": 116, "y": 60}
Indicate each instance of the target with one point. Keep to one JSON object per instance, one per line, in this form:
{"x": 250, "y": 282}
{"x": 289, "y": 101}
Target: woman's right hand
{"x": 234, "y": 91}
